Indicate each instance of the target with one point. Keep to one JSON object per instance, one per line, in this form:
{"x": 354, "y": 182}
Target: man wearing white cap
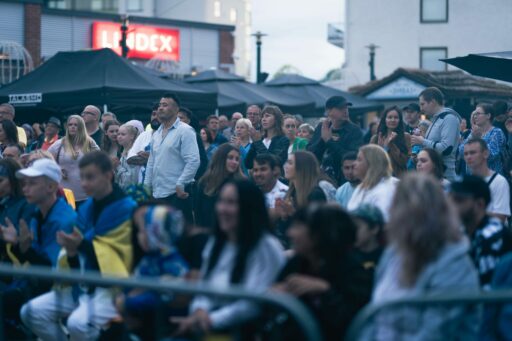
{"x": 36, "y": 242}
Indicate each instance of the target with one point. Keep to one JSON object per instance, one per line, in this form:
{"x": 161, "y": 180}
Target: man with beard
{"x": 344, "y": 193}
{"x": 489, "y": 237}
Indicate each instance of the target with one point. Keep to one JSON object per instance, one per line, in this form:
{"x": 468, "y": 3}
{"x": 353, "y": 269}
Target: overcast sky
{"x": 297, "y": 35}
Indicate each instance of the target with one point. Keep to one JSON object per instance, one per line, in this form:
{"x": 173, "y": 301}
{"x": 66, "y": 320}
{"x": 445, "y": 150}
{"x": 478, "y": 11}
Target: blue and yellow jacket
{"x": 107, "y": 230}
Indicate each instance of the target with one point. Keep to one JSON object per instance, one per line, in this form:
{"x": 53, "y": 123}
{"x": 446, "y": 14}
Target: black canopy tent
{"x": 495, "y": 65}
{"x": 234, "y": 93}
{"x": 313, "y": 90}
{"x": 70, "y": 80}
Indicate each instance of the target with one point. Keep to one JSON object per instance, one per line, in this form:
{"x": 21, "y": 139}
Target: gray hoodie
{"x": 443, "y": 135}
{"x": 452, "y": 271}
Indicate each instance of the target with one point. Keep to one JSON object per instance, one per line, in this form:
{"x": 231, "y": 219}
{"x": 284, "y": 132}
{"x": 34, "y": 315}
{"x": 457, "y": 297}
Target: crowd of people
{"x": 334, "y": 215}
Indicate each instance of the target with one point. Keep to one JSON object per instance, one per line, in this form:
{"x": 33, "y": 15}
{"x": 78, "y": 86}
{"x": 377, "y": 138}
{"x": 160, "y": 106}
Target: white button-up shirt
{"x": 173, "y": 159}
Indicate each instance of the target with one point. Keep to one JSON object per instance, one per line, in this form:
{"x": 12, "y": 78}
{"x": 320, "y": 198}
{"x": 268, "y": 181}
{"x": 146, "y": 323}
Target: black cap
{"x": 472, "y": 186}
{"x": 339, "y": 102}
{"x": 411, "y": 107}
{"x": 54, "y": 120}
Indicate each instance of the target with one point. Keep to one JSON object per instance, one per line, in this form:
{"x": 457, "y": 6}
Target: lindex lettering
{"x": 139, "y": 41}
{"x": 144, "y": 41}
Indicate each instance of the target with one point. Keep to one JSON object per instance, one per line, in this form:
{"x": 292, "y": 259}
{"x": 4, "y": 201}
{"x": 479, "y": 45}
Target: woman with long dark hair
{"x": 392, "y": 137}
{"x": 303, "y": 172}
{"x": 15, "y": 211}
{"x": 207, "y": 139}
{"x": 430, "y": 162}
{"x": 8, "y": 134}
{"x": 274, "y": 141}
{"x": 109, "y": 143}
{"x": 224, "y": 165}
{"x": 322, "y": 240}
{"x": 427, "y": 254}
{"x": 242, "y": 251}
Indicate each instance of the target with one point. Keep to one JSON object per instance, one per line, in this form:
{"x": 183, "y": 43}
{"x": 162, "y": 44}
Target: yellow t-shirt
{"x": 22, "y": 136}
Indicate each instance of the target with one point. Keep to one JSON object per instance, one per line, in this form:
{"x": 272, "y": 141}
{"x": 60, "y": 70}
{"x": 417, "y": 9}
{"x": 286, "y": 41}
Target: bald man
{"x": 91, "y": 115}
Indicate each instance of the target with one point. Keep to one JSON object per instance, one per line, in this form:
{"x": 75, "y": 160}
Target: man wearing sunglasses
{"x": 91, "y": 116}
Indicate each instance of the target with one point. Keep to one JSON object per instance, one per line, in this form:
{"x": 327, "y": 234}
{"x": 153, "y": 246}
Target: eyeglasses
{"x": 88, "y": 113}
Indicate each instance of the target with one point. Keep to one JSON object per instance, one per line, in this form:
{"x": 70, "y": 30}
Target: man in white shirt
{"x": 265, "y": 174}
{"x": 173, "y": 159}
{"x": 476, "y": 153}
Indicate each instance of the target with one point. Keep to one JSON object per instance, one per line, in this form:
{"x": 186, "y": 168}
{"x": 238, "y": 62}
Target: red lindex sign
{"x": 144, "y": 41}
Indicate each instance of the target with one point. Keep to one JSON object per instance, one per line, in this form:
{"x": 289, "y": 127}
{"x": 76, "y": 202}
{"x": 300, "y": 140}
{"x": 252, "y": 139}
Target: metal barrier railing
{"x": 366, "y": 316}
{"x": 288, "y": 303}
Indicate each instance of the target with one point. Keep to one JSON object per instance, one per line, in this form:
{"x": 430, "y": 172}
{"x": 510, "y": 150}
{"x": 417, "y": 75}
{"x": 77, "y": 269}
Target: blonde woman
{"x": 427, "y": 254}
{"x": 242, "y": 140}
{"x": 373, "y": 168}
{"x": 126, "y": 174}
{"x": 68, "y": 151}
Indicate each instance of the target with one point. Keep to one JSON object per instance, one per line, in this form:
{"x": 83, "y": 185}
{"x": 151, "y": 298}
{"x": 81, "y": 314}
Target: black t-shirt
{"x": 97, "y": 136}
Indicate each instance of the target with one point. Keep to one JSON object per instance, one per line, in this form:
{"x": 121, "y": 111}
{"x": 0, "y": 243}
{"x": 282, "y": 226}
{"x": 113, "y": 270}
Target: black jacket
{"x": 330, "y": 154}
{"x": 278, "y": 146}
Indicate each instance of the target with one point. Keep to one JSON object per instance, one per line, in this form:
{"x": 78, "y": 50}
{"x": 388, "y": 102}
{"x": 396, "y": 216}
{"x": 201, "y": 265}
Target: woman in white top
{"x": 241, "y": 252}
{"x": 126, "y": 174}
{"x": 68, "y": 151}
{"x": 373, "y": 168}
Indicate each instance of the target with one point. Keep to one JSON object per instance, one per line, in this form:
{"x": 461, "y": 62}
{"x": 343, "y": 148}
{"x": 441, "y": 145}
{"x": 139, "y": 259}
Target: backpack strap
{"x": 492, "y": 178}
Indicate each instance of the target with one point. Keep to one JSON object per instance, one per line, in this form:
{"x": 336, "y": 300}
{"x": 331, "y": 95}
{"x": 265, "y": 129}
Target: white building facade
{"x": 237, "y": 13}
{"x": 417, "y": 33}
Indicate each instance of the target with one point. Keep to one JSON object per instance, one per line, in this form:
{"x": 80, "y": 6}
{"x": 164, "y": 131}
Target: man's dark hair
{"x": 499, "y": 108}
{"x": 155, "y": 106}
{"x": 267, "y": 159}
{"x": 99, "y": 159}
{"x": 173, "y": 97}
{"x": 349, "y": 156}
{"x": 481, "y": 142}
{"x": 433, "y": 93}
{"x": 211, "y": 117}
{"x": 473, "y": 186}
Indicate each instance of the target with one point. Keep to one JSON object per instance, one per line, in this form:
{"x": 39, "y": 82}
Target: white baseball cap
{"x": 42, "y": 167}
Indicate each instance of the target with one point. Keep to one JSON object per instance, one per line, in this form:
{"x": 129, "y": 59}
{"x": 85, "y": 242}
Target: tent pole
{"x": 105, "y": 108}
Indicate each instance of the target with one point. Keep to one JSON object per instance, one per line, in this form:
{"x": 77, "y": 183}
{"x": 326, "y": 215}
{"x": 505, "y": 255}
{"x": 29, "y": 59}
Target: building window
{"x": 58, "y": 4}
{"x": 429, "y": 58}
{"x": 216, "y": 9}
{"x": 232, "y": 15}
{"x": 134, "y": 5}
{"x": 434, "y": 11}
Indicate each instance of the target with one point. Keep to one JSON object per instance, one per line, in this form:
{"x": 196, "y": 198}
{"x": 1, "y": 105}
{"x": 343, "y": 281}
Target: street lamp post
{"x": 258, "y": 36}
{"x": 124, "y": 34}
{"x": 372, "y": 47}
